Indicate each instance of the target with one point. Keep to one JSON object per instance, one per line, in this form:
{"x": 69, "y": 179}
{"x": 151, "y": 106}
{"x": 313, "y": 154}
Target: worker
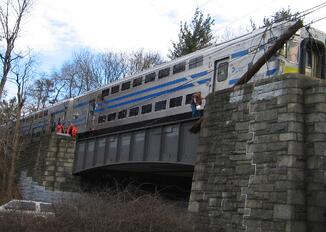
{"x": 196, "y": 104}
{"x": 59, "y": 128}
{"x": 74, "y": 131}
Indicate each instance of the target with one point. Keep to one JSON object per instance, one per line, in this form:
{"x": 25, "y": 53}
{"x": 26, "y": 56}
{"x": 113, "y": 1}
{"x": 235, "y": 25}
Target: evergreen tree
{"x": 279, "y": 16}
{"x": 193, "y": 36}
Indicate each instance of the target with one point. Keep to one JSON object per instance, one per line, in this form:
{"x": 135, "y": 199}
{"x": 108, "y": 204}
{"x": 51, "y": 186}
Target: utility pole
{"x": 269, "y": 53}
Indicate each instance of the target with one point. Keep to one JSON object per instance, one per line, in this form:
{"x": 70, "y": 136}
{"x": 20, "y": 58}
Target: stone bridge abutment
{"x": 261, "y": 158}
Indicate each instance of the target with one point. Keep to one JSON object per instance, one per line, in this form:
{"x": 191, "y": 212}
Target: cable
{"x": 312, "y": 9}
{"x": 315, "y": 21}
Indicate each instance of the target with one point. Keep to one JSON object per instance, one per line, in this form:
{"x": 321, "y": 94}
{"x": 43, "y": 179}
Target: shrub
{"x": 119, "y": 212}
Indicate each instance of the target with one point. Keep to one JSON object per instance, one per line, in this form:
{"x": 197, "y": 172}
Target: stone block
{"x": 316, "y": 214}
{"x": 267, "y": 115}
{"x": 321, "y": 199}
{"x": 288, "y": 136}
{"x": 60, "y": 179}
{"x": 284, "y": 212}
{"x": 193, "y": 206}
{"x": 295, "y": 108}
{"x": 286, "y": 161}
{"x": 295, "y": 127}
{"x": 278, "y": 127}
{"x": 277, "y": 146}
{"x": 314, "y": 98}
{"x": 253, "y": 204}
{"x": 49, "y": 178}
{"x": 295, "y": 174}
{"x": 256, "y": 148}
{"x": 50, "y": 168}
{"x": 295, "y": 148}
{"x": 315, "y": 117}
{"x": 296, "y": 226}
{"x": 320, "y": 148}
{"x": 266, "y": 138}
{"x": 244, "y": 169}
{"x": 320, "y": 127}
{"x": 286, "y": 117}
{"x": 296, "y": 197}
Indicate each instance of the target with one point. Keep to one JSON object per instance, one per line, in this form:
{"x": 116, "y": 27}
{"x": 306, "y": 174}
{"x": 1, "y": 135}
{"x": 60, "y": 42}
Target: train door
{"x": 312, "y": 58}
{"x": 91, "y": 112}
{"x": 221, "y": 70}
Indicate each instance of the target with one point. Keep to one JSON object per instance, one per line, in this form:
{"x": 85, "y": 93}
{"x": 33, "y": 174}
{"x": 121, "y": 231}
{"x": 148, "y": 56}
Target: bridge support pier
{"x": 45, "y": 168}
{"x": 261, "y": 162}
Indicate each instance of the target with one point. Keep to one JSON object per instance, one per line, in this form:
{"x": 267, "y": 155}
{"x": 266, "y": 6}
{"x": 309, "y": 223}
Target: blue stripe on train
{"x": 268, "y": 73}
{"x": 194, "y": 76}
{"x": 271, "y": 72}
{"x": 239, "y": 54}
{"x": 204, "y": 81}
{"x": 153, "y": 95}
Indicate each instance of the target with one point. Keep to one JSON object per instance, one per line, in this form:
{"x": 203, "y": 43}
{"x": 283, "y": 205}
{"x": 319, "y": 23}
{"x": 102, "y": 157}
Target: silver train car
{"x": 163, "y": 93}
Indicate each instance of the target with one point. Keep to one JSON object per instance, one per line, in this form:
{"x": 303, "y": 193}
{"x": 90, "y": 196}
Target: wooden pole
{"x": 269, "y": 53}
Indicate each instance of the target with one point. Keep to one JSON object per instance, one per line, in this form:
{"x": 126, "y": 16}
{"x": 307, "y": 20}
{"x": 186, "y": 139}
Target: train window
{"x": 133, "y": 112}
{"x": 112, "y": 116}
{"x": 196, "y": 62}
{"x": 105, "y": 92}
{"x": 160, "y": 105}
{"x": 115, "y": 89}
{"x": 293, "y": 51}
{"x": 179, "y": 67}
{"x": 35, "y": 116}
{"x": 138, "y": 81}
{"x": 189, "y": 98}
{"x": 146, "y": 109}
{"x": 101, "y": 119}
{"x": 150, "y": 77}
{"x": 125, "y": 86}
{"x": 222, "y": 71}
{"x": 40, "y": 115}
{"x": 163, "y": 73}
{"x": 122, "y": 114}
{"x": 174, "y": 102}
{"x": 45, "y": 113}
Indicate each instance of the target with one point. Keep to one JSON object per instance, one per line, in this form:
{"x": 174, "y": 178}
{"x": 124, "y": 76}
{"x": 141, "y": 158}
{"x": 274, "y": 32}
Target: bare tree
{"x": 141, "y": 60}
{"x": 22, "y": 71}
{"x": 114, "y": 66}
{"x": 87, "y": 69}
{"x": 12, "y": 13}
{"x": 7, "y": 116}
{"x": 40, "y": 92}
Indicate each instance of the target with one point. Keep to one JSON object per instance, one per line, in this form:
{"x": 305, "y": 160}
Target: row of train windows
{"x": 36, "y": 116}
{"x": 193, "y": 63}
{"x": 145, "y": 109}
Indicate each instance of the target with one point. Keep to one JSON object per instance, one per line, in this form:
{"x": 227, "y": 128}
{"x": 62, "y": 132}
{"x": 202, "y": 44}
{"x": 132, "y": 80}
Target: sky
{"x": 54, "y": 29}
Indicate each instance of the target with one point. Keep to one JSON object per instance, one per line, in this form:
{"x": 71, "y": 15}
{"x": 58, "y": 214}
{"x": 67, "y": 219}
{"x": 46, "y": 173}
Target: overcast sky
{"x": 56, "y": 28}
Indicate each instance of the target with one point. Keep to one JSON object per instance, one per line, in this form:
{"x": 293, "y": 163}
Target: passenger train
{"x": 164, "y": 92}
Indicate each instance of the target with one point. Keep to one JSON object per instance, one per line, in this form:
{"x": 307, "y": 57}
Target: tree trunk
{"x": 15, "y": 154}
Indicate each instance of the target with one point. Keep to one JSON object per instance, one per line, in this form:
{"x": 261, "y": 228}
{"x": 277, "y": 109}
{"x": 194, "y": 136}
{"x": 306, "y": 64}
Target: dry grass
{"x": 120, "y": 212}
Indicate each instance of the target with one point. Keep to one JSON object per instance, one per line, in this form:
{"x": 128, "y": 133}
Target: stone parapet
{"x": 260, "y": 161}
{"x": 45, "y": 168}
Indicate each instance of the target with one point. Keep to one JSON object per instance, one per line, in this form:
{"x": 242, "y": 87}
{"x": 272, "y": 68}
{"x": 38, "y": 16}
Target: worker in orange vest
{"x": 59, "y": 128}
{"x": 74, "y": 131}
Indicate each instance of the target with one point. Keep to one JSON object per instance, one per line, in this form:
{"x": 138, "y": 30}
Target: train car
{"x": 164, "y": 93}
